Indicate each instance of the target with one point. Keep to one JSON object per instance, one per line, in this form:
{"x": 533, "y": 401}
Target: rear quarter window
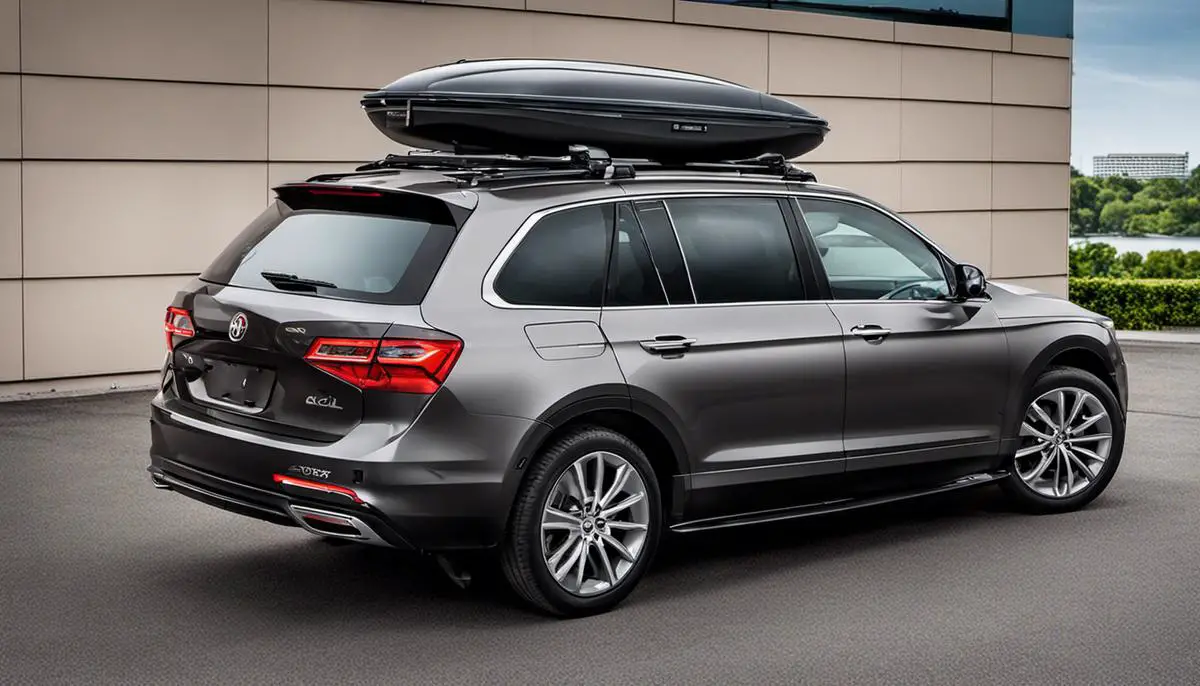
{"x": 561, "y": 261}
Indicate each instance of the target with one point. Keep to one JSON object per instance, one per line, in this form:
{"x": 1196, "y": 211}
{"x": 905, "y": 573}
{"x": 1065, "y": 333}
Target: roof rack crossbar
{"x": 582, "y": 161}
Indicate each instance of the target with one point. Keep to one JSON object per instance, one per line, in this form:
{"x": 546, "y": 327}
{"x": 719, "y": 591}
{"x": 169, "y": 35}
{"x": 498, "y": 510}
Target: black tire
{"x": 1029, "y": 500}
{"x": 521, "y": 554}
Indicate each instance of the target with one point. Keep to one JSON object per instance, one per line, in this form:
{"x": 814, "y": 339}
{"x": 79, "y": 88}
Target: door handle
{"x": 667, "y": 344}
{"x": 871, "y": 332}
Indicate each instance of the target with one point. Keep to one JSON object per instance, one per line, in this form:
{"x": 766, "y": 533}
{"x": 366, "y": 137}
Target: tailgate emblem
{"x": 238, "y": 326}
{"x": 327, "y": 401}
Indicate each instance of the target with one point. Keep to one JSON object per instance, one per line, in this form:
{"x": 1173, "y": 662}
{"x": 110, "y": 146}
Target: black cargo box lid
{"x": 535, "y": 107}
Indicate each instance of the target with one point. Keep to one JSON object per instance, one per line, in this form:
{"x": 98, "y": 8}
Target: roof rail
{"x": 582, "y": 162}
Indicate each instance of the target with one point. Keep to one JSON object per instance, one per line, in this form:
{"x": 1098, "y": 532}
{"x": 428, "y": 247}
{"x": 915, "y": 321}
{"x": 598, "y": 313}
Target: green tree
{"x": 1092, "y": 259}
{"x": 1114, "y": 216}
{"x": 1123, "y": 186}
{"x": 1129, "y": 265}
{"x": 1165, "y": 264}
{"x": 1085, "y": 209}
{"x": 1161, "y": 189}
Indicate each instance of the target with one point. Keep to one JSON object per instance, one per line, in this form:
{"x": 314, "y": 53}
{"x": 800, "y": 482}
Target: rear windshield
{"x": 349, "y": 256}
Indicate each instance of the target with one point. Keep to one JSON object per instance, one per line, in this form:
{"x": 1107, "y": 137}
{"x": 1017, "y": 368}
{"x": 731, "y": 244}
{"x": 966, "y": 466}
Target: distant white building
{"x": 1138, "y": 166}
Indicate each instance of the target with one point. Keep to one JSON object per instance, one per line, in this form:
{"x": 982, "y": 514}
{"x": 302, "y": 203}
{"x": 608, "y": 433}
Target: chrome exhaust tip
{"x": 335, "y": 525}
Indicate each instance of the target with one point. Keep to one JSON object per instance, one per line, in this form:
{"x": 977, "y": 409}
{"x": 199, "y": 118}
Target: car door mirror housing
{"x": 969, "y": 281}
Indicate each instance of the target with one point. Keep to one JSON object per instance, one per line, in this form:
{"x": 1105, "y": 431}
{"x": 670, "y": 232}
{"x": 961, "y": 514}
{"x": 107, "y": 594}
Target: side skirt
{"x": 832, "y": 506}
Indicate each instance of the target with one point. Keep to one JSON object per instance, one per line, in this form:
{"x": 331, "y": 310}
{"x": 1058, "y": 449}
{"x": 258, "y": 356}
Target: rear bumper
{"x": 318, "y": 518}
{"x": 446, "y": 484}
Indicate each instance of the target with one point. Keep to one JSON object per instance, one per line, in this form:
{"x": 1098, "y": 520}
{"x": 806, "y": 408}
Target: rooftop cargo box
{"x": 540, "y": 107}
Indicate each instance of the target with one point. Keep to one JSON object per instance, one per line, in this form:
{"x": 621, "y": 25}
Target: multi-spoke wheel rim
{"x": 595, "y": 523}
{"x": 1066, "y": 439}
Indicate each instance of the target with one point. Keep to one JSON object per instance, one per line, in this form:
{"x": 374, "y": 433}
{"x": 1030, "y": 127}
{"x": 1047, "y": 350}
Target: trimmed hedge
{"x": 1140, "y": 304}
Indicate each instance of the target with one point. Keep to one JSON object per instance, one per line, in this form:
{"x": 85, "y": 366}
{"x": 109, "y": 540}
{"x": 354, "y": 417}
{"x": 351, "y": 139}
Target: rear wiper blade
{"x": 284, "y": 280}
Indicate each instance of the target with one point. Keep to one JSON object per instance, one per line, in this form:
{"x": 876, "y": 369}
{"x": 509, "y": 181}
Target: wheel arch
{"x": 1077, "y": 351}
{"x": 612, "y": 407}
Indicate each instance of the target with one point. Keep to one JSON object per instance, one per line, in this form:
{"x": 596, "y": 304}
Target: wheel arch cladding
{"x": 1076, "y": 351}
{"x": 651, "y": 431}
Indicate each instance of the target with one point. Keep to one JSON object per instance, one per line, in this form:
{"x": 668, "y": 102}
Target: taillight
{"x": 178, "y": 323}
{"x": 284, "y": 480}
{"x": 399, "y": 365}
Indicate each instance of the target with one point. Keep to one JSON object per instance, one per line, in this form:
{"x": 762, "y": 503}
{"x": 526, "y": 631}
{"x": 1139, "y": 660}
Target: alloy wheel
{"x": 1066, "y": 438}
{"x": 594, "y": 523}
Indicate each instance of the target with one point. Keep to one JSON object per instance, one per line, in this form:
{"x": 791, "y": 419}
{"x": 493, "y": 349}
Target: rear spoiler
{"x": 372, "y": 199}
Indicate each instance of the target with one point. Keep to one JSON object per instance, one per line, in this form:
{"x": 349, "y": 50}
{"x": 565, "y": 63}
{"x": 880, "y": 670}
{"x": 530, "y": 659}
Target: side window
{"x": 561, "y": 261}
{"x": 869, "y": 256}
{"x": 737, "y": 249}
{"x": 633, "y": 280}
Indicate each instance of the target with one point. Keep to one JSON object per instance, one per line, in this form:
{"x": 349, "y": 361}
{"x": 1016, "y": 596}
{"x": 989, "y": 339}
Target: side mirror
{"x": 970, "y": 282}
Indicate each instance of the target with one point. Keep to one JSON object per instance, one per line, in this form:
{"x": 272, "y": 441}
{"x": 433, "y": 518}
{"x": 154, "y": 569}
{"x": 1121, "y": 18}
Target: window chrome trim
{"x": 489, "y": 280}
{"x": 687, "y": 270}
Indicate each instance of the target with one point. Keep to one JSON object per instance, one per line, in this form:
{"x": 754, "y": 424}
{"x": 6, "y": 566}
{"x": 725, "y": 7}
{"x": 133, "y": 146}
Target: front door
{"x": 717, "y": 337}
{"x": 926, "y": 377}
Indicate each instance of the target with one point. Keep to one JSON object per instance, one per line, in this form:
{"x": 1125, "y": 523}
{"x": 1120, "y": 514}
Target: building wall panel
{"x": 967, "y": 236}
{"x": 123, "y": 318}
{"x": 1029, "y": 243}
{"x": 929, "y": 73}
{"x": 143, "y": 120}
{"x": 1031, "y": 186}
{"x": 11, "y": 344}
{"x": 945, "y": 132}
{"x": 313, "y": 124}
{"x": 10, "y": 116}
{"x": 10, "y": 220}
{"x": 939, "y": 187}
{"x": 185, "y": 40}
{"x": 178, "y": 231}
{"x": 861, "y": 130}
{"x": 1031, "y": 80}
{"x": 815, "y": 65}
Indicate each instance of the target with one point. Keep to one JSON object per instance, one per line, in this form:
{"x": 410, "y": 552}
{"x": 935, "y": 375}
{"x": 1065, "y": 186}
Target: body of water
{"x": 1142, "y": 244}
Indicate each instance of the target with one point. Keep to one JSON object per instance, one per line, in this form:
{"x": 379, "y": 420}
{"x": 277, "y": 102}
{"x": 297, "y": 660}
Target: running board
{"x": 832, "y": 506}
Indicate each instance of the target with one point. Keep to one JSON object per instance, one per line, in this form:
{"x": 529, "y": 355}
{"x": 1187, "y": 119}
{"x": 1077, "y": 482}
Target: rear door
{"x": 926, "y": 377}
{"x": 309, "y": 321}
{"x": 706, "y": 312}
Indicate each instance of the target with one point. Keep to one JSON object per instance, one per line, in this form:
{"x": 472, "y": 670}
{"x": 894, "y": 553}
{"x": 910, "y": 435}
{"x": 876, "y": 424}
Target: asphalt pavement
{"x": 105, "y": 580}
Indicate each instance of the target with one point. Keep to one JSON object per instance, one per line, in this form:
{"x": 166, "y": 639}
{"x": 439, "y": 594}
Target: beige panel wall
{"x": 966, "y": 132}
{"x": 184, "y": 40}
{"x": 123, "y": 318}
{"x": 142, "y": 120}
{"x": 656, "y": 10}
{"x": 862, "y": 129}
{"x": 10, "y": 116}
{"x": 10, "y": 35}
{"x": 177, "y": 232}
{"x": 1020, "y": 244}
{"x": 10, "y": 220}
{"x": 847, "y": 67}
{"x": 942, "y": 74}
{"x": 967, "y": 236}
{"x": 12, "y": 351}
{"x": 312, "y": 124}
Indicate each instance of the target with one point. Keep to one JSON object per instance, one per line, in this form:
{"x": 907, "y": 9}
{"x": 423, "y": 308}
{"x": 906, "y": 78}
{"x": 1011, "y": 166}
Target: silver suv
{"x": 563, "y": 361}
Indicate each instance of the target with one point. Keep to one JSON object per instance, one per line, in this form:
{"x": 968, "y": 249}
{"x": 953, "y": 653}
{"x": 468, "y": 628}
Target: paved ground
{"x": 104, "y": 580}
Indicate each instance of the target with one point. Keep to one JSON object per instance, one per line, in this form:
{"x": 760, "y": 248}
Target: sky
{"x": 1137, "y": 78}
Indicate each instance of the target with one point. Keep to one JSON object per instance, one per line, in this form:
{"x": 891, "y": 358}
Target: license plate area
{"x": 246, "y": 388}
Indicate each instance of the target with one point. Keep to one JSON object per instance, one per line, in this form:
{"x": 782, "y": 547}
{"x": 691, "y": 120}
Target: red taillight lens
{"x": 402, "y": 366}
{"x": 178, "y": 323}
{"x": 284, "y": 480}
